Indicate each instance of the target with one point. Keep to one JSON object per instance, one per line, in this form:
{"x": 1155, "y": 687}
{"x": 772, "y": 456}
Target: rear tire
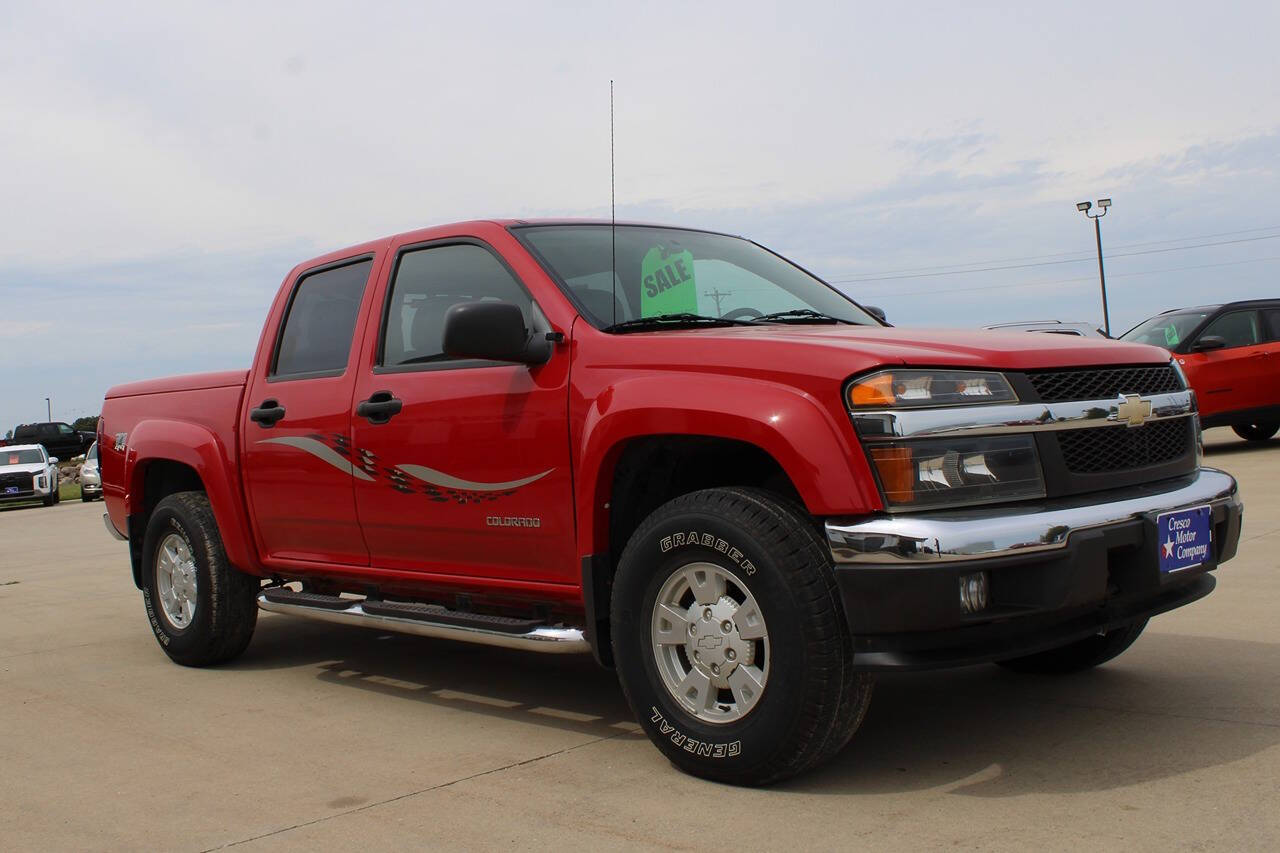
{"x": 762, "y": 689}
{"x": 201, "y": 609}
{"x": 1256, "y": 432}
{"x": 1082, "y": 654}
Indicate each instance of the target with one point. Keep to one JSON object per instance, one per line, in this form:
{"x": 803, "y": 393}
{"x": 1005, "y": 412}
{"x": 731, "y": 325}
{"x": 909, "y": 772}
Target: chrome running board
{"x": 427, "y": 621}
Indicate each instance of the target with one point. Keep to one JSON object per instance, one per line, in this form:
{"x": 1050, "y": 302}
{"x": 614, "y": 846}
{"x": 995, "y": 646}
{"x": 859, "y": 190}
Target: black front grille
{"x": 1103, "y": 383}
{"x": 1123, "y": 448}
{"x": 15, "y": 478}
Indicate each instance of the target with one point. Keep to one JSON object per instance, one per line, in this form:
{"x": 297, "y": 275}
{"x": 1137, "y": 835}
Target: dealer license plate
{"x": 1185, "y": 538}
{"x": 10, "y": 490}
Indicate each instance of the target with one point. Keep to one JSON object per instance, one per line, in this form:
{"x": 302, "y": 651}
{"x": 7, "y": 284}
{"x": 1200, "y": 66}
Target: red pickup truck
{"x": 678, "y": 451}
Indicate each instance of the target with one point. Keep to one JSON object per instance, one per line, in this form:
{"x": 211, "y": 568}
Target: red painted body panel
{"x": 303, "y": 508}
{"x": 194, "y": 427}
{"x": 1235, "y": 379}
{"x": 294, "y": 513}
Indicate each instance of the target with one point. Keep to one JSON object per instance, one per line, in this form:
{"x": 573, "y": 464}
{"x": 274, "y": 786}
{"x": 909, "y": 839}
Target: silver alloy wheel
{"x": 710, "y": 642}
{"x": 176, "y": 581}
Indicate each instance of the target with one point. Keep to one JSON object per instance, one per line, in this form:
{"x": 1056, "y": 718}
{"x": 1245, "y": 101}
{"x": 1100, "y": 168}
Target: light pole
{"x": 1103, "y": 205}
{"x": 48, "y": 408}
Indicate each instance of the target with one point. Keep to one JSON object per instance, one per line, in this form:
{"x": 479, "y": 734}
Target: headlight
{"x": 894, "y": 389}
{"x": 949, "y": 471}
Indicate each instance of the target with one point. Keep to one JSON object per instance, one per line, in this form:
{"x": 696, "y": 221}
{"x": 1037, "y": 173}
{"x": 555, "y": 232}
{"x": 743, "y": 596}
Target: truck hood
{"x": 837, "y": 352}
{"x": 189, "y": 382}
{"x": 32, "y": 468}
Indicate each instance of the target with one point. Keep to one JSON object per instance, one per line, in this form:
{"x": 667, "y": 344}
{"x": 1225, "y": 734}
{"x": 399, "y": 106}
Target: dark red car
{"x": 1231, "y": 355}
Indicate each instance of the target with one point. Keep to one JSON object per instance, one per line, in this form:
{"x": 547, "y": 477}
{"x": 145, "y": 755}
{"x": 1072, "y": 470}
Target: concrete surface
{"x": 322, "y": 737}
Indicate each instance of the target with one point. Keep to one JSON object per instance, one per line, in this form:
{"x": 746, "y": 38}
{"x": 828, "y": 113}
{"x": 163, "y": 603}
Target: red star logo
{"x": 1168, "y": 547}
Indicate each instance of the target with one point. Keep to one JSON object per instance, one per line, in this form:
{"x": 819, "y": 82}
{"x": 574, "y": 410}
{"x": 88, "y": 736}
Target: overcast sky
{"x": 163, "y": 165}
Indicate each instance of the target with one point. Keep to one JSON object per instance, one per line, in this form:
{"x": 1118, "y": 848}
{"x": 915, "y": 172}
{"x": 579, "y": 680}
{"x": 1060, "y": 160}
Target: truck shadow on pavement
{"x": 1172, "y": 705}
{"x": 1234, "y": 448}
{"x": 569, "y": 692}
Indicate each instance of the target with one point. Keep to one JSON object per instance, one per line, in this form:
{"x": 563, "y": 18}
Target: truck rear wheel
{"x": 201, "y": 609}
{"x": 1082, "y": 654}
{"x": 730, "y": 640}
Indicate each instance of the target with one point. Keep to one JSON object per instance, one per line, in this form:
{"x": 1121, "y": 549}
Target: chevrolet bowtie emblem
{"x": 1133, "y": 410}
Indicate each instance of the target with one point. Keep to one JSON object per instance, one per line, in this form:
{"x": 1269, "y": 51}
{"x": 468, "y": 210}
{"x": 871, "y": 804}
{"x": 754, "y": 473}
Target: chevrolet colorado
{"x": 678, "y": 451}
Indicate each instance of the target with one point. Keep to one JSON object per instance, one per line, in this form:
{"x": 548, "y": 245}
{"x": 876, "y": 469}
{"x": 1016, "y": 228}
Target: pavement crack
{"x": 419, "y": 792}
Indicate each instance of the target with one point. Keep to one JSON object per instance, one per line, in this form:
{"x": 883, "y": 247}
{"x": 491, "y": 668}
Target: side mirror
{"x": 1208, "y": 342}
{"x": 53, "y": 460}
{"x": 878, "y": 313}
{"x": 494, "y": 331}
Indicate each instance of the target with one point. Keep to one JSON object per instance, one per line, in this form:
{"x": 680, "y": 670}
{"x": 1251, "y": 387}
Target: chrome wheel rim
{"x": 710, "y": 643}
{"x": 176, "y": 581}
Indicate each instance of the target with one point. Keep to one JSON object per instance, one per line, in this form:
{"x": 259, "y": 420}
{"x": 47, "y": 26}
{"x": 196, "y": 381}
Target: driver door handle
{"x": 379, "y": 408}
{"x": 267, "y": 414}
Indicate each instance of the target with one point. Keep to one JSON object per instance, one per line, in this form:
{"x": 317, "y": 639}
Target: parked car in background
{"x": 28, "y": 472}
{"x": 90, "y": 479}
{"x": 58, "y": 438}
{"x": 1231, "y": 355}
{"x": 1053, "y": 327}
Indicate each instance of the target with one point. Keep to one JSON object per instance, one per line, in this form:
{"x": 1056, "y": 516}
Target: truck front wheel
{"x": 201, "y": 609}
{"x": 730, "y": 640}
{"x": 1082, "y": 654}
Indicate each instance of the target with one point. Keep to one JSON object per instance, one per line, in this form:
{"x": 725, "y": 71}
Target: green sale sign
{"x": 668, "y": 283}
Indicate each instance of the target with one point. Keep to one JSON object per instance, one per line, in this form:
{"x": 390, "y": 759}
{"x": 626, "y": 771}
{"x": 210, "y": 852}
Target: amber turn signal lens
{"x": 873, "y": 391}
{"x": 897, "y": 473}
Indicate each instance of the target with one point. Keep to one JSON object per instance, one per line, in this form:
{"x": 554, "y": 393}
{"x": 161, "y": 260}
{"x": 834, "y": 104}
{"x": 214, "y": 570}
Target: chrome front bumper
{"x": 1017, "y": 529}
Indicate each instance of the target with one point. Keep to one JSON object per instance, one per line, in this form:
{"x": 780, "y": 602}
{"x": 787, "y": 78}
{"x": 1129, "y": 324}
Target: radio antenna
{"x": 613, "y": 216}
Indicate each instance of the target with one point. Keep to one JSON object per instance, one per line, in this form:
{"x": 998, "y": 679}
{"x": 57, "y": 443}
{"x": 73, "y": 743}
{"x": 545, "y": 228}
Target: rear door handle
{"x": 379, "y": 408}
{"x": 267, "y": 414}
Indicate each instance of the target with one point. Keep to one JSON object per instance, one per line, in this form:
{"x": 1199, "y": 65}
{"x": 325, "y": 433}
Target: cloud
{"x": 171, "y": 163}
{"x": 17, "y": 329}
{"x": 938, "y": 149}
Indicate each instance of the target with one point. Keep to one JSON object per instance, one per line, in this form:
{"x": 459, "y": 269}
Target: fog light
{"x": 973, "y": 592}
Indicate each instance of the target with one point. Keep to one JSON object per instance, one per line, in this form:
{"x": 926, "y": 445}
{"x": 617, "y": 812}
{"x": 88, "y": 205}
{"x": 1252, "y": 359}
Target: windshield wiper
{"x": 680, "y": 319}
{"x": 802, "y": 314}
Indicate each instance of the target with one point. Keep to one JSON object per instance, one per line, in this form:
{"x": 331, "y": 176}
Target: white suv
{"x": 27, "y": 473}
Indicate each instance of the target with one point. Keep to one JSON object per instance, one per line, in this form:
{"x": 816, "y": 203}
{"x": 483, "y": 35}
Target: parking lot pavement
{"x": 324, "y": 737}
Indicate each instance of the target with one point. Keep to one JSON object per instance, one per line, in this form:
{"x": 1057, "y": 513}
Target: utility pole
{"x": 48, "y": 409}
{"x": 717, "y": 295}
{"x": 1103, "y": 204}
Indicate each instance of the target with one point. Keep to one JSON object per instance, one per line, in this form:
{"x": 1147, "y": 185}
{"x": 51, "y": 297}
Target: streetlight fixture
{"x": 1083, "y": 207}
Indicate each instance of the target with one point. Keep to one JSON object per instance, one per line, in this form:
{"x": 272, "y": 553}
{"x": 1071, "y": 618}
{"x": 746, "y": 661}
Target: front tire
{"x": 1080, "y": 655}
{"x": 730, "y": 641}
{"x": 201, "y": 609}
{"x": 1256, "y": 432}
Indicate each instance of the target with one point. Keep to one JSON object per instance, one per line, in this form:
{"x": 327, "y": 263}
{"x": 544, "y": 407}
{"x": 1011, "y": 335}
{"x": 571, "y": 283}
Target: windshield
{"x": 92, "y": 455}
{"x": 664, "y": 271}
{"x": 21, "y": 457}
{"x": 1166, "y": 330}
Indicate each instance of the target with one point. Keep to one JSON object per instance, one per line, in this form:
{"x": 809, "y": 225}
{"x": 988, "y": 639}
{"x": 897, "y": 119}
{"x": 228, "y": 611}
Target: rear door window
{"x": 320, "y": 322}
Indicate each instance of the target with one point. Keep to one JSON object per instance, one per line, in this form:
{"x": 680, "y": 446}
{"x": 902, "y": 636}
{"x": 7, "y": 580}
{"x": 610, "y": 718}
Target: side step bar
{"x": 427, "y": 620}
